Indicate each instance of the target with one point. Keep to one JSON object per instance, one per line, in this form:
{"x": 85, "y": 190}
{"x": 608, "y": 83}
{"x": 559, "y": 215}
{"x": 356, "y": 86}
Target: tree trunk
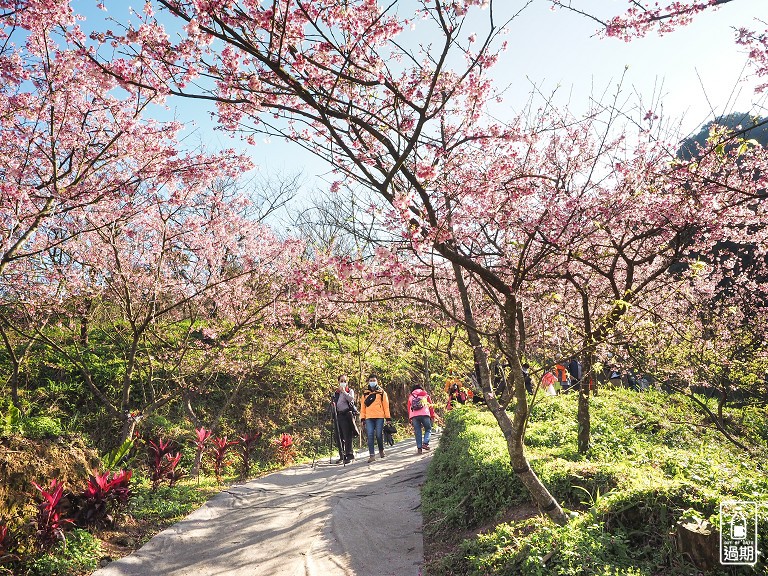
{"x": 583, "y": 422}
{"x": 15, "y": 388}
{"x": 84, "y": 312}
{"x": 700, "y": 542}
{"x": 583, "y": 417}
{"x": 130, "y": 363}
{"x": 128, "y": 427}
{"x": 721, "y": 402}
{"x": 14, "y": 379}
{"x": 514, "y": 429}
{"x": 195, "y": 472}
{"x": 190, "y": 410}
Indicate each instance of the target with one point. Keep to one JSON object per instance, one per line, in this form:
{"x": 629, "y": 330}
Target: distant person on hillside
{"x": 344, "y": 411}
{"x": 615, "y": 377}
{"x": 457, "y": 394}
{"x": 374, "y": 410}
{"x": 548, "y": 383}
{"x": 574, "y": 371}
{"x": 421, "y": 413}
{"x": 451, "y": 380}
{"x": 457, "y": 391}
{"x": 499, "y": 373}
{"x": 561, "y": 375}
{"x": 632, "y": 382}
{"x": 527, "y": 378}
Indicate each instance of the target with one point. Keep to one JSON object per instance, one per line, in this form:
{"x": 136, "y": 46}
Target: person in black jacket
{"x": 343, "y": 411}
{"x": 574, "y": 369}
{"x": 527, "y": 378}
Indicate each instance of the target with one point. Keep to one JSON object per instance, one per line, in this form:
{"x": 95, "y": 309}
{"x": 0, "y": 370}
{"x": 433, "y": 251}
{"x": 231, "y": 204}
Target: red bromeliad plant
{"x": 174, "y": 473}
{"x": 163, "y": 463}
{"x": 104, "y": 493}
{"x": 113, "y": 485}
{"x": 219, "y": 451}
{"x": 6, "y": 543}
{"x": 247, "y": 442}
{"x": 50, "y": 518}
{"x": 201, "y": 440}
{"x": 286, "y": 450}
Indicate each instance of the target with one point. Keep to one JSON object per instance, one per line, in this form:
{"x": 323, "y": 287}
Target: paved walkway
{"x": 327, "y": 520}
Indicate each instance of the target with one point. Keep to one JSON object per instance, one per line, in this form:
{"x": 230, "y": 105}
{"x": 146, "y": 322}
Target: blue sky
{"x": 697, "y": 70}
{"x": 694, "y": 67}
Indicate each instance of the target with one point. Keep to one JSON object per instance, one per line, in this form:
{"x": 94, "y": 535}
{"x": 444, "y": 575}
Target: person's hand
{"x": 388, "y": 421}
{"x": 362, "y": 420}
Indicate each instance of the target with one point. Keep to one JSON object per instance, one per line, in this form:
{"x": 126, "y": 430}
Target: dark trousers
{"x": 345, "y": 444}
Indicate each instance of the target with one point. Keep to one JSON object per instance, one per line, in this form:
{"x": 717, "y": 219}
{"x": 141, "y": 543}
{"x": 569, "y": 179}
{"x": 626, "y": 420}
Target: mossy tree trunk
{"x": 583, "y": 417}
{"x": 13, "y": 380}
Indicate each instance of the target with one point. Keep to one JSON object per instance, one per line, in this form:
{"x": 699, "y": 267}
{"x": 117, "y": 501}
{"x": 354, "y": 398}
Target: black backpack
{"x": 416, "y": 403}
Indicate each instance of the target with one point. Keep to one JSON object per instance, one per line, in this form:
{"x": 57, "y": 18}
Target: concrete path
{"x": 327, "y": 520}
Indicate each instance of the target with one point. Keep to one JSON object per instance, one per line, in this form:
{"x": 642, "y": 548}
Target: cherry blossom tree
{"x": 706, "y": 344}
{"x": 252, "y": 320}
{"x": 75, "y": 152}
{"x": 137, "y": 266}
{"x": 67, "y": 141}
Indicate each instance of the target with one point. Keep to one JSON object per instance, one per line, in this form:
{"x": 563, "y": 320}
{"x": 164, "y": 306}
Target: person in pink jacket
{"x": 420, "y": 413}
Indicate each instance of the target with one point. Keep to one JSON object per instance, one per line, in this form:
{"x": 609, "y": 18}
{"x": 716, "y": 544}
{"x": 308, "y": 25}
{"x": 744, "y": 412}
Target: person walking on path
{"x": 344, "y": 410}
{"x": 374, "y": 411}
{"x": 420, "y": 413}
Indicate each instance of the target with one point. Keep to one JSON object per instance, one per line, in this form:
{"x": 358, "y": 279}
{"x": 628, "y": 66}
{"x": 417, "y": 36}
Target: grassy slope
{"x": 653, "y": 460}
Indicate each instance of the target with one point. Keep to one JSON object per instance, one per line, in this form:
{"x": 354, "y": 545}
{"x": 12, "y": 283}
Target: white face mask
{"x": 372, "y": 385}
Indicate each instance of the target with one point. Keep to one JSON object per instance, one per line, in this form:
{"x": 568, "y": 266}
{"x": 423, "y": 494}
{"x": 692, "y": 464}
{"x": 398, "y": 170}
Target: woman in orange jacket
{"x": 374, "y": 410}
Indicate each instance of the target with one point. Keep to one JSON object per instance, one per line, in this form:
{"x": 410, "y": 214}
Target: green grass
{"x": 653, "y": 460}
{"x": 169, "y": 504}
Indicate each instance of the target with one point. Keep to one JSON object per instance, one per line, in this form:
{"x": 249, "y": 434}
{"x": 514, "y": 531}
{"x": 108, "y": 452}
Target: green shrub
{"x": 38, "y": 427}
{"x": 11, "y": 420}
{"x": 169, "y": 503}
{"x": 79, "y": 554}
